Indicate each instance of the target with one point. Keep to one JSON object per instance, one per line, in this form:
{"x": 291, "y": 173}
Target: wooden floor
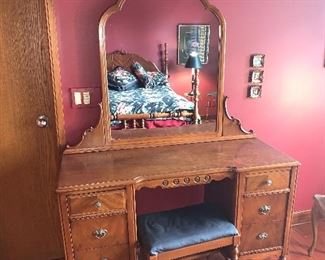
{"x": 300, "y": 241}
{"x": 301, "y": 237}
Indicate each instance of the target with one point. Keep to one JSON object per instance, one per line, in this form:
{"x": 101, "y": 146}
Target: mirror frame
{"x": 99, "y": 138}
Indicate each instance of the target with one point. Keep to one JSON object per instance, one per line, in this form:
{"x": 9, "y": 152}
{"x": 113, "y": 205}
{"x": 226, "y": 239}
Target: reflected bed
{"x": 141, "y": 96}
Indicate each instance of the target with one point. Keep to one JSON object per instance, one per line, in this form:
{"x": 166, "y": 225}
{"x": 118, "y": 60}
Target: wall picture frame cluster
{"x": 256, "y": 75}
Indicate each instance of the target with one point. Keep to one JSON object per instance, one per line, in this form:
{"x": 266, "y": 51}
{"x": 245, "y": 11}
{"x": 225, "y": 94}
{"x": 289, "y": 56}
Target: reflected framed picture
{"x": 193, "y": 38}
{"x": 256, "y": 76}
{"x": 257, "y": 60}
{"x": 254, "y": 91}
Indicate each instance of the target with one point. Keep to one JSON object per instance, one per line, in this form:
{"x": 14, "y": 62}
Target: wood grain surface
{"x": 101, "y": 202}
{"x": 128, "y": 166}
{"x": 29, "y": 219}
{"x": 115, "y": 252}
{"x": 83, "y": 232}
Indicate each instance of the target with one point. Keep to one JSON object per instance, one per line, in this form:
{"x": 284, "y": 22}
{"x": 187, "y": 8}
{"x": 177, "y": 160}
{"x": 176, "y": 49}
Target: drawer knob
{"x": 100, "y": 233}
{"x": 264, "y": 210}
{"x": 98, "y": 204}
{"x": 262, "y": 236}
{"x": 268, "y": 182}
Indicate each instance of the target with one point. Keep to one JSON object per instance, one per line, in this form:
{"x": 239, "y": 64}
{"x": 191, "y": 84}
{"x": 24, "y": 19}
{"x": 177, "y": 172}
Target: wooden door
{"x": 29, "y": 155}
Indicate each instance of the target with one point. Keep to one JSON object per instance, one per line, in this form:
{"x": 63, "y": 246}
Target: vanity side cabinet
{"x": 95, "y": 224}
{"x": 265, "y": 212}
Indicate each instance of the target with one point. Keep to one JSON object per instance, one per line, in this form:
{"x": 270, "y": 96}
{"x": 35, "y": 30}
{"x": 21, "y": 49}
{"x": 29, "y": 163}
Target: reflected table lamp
{"x": 195, "y": 64}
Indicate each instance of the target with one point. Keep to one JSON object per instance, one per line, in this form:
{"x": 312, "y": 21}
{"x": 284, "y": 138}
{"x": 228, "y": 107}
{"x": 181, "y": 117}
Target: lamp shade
{"x": 193, "y": 61}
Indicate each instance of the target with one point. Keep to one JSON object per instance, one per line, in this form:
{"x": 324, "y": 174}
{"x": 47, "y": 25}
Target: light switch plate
{"x": 85, "y": 97}
{"x": 77, "y": 98}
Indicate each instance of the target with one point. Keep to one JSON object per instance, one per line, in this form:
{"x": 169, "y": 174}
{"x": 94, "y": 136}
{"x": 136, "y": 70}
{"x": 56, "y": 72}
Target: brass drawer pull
{"x": 98, "y": 204}
{"x": 100, "y": 233}
{"x": 264, "y": 210}
{"x": 262, "y": 236}
{"x": 268, "y": 182}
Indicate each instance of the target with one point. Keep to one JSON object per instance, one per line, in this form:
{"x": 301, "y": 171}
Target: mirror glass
{"x": 162, "y": 68}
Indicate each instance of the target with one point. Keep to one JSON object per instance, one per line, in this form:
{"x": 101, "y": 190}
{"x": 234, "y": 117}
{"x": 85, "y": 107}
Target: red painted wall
{"x": 290, "y": 115}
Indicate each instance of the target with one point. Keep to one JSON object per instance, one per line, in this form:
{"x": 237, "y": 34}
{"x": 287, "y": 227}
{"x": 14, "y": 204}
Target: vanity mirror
{"x": 141, "y": 105}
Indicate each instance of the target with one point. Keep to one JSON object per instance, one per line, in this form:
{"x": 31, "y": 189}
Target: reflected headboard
{"x": 125, "y": 60}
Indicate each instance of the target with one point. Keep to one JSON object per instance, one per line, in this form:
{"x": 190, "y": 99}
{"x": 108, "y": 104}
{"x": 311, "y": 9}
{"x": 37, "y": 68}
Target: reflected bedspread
{"x": 147, "y": 101}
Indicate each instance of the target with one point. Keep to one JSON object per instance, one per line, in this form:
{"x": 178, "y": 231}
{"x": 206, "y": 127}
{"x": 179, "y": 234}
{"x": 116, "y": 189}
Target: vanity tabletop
{"x": 122, "y": 167}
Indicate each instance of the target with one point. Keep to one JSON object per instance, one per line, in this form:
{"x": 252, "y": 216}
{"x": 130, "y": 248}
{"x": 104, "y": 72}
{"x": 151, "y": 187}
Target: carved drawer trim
{"x": 266, "y": 193}
{"x": 114, "y": 253}
{"x": 262, "y": 250}
{"x": 185, "y": 180}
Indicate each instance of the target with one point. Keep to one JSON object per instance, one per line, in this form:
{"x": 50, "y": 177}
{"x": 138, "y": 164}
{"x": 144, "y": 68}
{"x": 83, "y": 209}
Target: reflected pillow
{"x": 147, "y": 78}
{"x": 140, "y": 73}
{"x": 157, "y": 79}
{"x": 120, "y": 79}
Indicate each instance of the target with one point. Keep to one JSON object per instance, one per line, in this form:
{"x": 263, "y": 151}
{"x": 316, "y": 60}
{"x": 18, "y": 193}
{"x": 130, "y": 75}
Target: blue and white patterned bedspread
{"x": 147, "y": 101}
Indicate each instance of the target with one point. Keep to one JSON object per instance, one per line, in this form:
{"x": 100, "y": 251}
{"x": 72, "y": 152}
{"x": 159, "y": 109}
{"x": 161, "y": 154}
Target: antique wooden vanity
{"x": 252, "y": 182}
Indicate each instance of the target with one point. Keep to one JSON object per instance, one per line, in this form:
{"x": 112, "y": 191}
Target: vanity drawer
{"x": 265, "y": 181}
{"x": 99, "y": 202}
{"x": 99, "y": 232}
{"x": 261, "y": 235}
{"x": 105, "y": 253}
{"x": 259, "y": 209}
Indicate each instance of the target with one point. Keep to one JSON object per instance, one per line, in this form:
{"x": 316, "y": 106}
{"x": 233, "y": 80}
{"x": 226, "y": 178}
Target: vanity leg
{"x": 234, "y": 253}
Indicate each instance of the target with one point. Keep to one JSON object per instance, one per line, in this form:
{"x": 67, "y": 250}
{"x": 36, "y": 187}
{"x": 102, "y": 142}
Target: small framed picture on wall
{"x": 257, "y": 60}
{"x": 254, "y": 91}
{"x": 256, "y": 76}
